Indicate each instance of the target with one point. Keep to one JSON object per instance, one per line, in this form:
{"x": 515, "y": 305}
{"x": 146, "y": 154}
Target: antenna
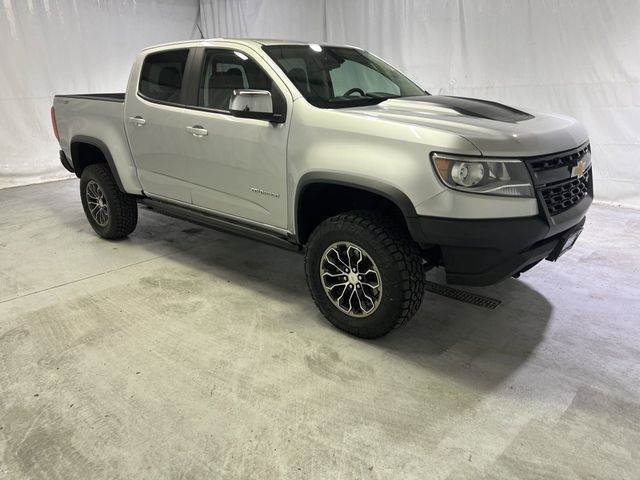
{"x": 200, "y": 30}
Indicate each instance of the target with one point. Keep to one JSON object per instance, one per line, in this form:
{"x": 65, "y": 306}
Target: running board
{"x": 219, "y": 223}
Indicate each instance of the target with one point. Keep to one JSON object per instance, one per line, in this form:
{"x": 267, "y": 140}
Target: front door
{"x": 237, "y": 166}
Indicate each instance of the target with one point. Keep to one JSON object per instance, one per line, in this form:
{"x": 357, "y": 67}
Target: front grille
{"x": 567, "y": 160}
{"x": 561, "y": 196}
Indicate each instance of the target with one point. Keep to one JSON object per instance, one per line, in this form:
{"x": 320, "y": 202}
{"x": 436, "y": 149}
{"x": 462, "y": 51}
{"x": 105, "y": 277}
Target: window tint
{"x": 366, "y": 78}
{"x": 162, "y": 74}
{"x": 340, "y": 77}
{"x": 224, "y": 71}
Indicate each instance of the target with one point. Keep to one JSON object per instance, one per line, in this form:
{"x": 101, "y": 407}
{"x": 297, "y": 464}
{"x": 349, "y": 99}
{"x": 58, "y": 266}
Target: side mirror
{"x": 249, "y": 103}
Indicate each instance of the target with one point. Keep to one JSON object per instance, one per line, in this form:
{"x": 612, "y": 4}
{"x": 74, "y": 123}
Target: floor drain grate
{"x": 462, "y": 296}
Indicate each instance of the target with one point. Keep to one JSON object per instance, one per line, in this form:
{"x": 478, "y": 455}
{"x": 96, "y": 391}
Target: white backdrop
{"x": 578, "y": 57}
{"x": 69, "y": 46}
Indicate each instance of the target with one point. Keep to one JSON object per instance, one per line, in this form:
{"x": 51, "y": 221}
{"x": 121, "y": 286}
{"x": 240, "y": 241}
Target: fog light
{"x": 467, "y": 174}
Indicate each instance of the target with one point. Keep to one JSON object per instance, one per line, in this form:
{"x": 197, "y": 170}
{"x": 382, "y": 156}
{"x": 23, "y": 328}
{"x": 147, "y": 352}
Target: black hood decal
{"x": 473, "y": 107}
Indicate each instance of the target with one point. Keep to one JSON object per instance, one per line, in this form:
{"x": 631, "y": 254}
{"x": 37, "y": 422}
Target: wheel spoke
{"x": 357, "y": 292}
{"x": 366, "y": 281}
{"x": 333, "y": 275}
{"x": 350, "y": 302}
{"x": 369, "y": 299}
{"x": 337, "y": 285}
{"x": 343, "y": 292}
{"x": 344, "y": 266}
{"x": 351, "y": 248}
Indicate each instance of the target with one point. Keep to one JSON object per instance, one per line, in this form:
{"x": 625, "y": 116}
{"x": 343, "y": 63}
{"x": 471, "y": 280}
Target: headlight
{"x": 491, "y": 176}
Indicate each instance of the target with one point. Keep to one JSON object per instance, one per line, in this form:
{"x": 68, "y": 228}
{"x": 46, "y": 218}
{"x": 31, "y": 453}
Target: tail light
{"x": 54, "y": 123}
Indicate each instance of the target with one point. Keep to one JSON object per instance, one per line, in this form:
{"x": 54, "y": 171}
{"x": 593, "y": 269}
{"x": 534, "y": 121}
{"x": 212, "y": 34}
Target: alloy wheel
{"x": 97, "y": 204}
{"x": 351, "y": 279}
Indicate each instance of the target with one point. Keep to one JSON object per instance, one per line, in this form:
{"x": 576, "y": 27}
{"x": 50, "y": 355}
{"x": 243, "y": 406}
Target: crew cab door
{"x": 154, "y": 129}
{"x": 237, "y": 166}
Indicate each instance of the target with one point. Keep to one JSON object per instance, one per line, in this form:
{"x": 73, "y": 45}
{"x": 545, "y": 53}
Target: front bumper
{"x": 483, "y": 252}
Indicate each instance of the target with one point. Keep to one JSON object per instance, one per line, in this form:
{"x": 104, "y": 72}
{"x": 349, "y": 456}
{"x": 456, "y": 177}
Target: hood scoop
{"x": 470, "y": 107}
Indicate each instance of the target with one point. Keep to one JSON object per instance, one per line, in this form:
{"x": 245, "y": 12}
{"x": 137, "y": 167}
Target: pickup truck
{"x": 332, "y": 152}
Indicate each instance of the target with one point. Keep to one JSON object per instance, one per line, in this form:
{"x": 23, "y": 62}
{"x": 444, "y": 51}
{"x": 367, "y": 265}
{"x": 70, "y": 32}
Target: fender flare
{"x": 100, "y": 145}
{"x": 391, "y": 193}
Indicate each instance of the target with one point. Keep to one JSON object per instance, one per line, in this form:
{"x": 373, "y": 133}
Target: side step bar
{"x": 219, "y": 223}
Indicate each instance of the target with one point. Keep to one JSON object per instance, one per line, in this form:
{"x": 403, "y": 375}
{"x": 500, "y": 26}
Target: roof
{"x": 243, "y": 41}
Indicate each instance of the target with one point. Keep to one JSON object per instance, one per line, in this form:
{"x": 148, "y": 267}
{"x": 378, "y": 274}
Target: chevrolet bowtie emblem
{"x": 578, "y": 169}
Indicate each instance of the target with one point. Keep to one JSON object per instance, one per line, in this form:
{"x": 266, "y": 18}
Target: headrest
{"x": 299, "y": 77}
{"x": 169, "y": 77}
{"x": 231, "y": 79}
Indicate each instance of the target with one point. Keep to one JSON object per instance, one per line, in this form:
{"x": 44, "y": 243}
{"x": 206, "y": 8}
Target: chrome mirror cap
{"x": 250, "y": 101}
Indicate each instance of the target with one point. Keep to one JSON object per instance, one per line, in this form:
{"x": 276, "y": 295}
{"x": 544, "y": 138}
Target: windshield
{"x": 336, "y": 77}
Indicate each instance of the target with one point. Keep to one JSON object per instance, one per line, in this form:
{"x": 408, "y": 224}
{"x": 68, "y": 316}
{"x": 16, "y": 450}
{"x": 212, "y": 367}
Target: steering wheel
{"x": 354, "y": 90}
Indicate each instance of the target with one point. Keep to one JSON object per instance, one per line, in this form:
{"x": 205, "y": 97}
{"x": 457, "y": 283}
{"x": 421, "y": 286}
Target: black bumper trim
{"x": 483, "y": 252}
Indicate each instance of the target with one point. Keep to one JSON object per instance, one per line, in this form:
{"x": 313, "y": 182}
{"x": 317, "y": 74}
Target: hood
{"x": 495, "y": 129}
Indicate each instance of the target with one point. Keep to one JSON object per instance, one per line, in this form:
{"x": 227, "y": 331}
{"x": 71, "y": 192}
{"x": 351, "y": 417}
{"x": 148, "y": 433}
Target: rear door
{"x": 153, "y": 125}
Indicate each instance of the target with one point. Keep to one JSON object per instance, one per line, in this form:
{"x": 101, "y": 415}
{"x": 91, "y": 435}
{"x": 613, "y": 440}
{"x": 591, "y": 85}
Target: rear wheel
{"x": 364, "y": 273}
{"x": 112, "y": 214}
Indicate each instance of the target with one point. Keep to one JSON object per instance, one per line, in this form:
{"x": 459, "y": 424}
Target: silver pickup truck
{"x": 330, "y": 151}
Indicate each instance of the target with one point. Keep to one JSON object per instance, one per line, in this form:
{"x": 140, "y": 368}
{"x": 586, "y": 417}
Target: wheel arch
{"x": 339, "y": 182}
{"x": 80, "y": 161}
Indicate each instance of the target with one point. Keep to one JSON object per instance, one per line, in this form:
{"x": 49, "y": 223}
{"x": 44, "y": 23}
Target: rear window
{"x": 162, "y": 74}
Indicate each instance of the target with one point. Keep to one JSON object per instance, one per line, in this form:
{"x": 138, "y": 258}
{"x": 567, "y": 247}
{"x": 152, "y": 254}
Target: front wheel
{"x": 364, "y": 273}
{"x": 112, "y": 214}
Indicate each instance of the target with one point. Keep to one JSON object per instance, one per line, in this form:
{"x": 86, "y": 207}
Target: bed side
{"x": 96, "y": 120}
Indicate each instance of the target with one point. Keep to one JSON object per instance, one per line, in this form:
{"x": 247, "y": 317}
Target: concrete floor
{"x": 186, "y": 353}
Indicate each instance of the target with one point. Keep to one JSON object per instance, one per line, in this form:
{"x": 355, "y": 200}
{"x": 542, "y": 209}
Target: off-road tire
{"x": 396, "y": 256}
{"x": 122, "y": 207}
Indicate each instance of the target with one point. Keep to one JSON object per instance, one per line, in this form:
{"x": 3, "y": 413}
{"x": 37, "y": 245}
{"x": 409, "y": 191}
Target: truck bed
{"x": 105, "y": 97}
{"x": 97, "y": 119}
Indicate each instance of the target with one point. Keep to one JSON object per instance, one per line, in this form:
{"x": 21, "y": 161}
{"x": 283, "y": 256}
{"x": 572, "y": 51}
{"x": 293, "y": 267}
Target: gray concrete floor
{"x": 186, "y": 353}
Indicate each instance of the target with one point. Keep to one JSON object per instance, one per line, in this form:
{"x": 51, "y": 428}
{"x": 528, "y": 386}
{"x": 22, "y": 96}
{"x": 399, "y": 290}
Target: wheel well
{"x": 85, "y": 154}
{"x": 319, "y": 201}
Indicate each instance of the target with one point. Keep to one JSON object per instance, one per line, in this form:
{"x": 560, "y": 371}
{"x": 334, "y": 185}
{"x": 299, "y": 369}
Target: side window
{"x": 224, "y": 71}
{"x": 162, "y": 74}
{"x": 352, "y": 74}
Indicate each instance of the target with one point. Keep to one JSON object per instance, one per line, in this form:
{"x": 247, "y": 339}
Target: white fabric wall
{"x": 578, "y": 57}
{"x": 69, "y": 46}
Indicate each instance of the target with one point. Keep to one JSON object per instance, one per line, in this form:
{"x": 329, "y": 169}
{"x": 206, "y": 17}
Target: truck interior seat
{"x": 222, "y": 85}
{"x": 299, "y": 78}
{"x": 169, "y": 82}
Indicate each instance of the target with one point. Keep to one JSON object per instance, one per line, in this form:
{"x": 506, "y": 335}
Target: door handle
{"x": 197, "y": 131}
{"x": 138, "y": 121}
